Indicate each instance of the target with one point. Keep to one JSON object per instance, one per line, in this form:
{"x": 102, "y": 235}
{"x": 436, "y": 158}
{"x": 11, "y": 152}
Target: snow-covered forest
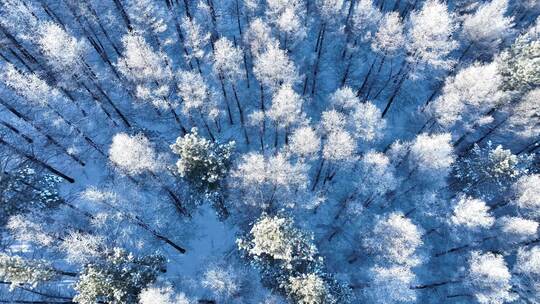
{"x": 269, "y": 151}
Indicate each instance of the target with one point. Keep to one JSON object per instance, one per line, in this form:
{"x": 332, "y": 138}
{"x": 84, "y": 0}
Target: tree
{"x": 522, "y": 119}
{"x": 227, "y": 59}
{"x": 527, "y": 191}
{"x": 202, "y": 162}
{"x": 275, "y": 238}
{"x": 258, "y": 37}
{"x": 310, "y": 289}
{"x": 17, "y": 271}
{"x": 224, "y": 283}
{"x": 27, "y": 190}
{"x": 489, "y": 278}
{"x": 430, "y": 36}
{"x": 193, "y": 90}
{"x": 286, "y": 108}
{"x": 145, "y": 14}
{"x": 162, "y": 295}
{"x": 195, "y": 40}
{"x": 364, "y": 19}
{"x": 468, "y": 97}
{"x": 119, "y": 278}
{"x": 487, "y": 172}
{"x": 391, "y": 285}
{"x": 286, "y": 16}
{"x": 528, "y": 266}
{"x": 330, "y": 10}
{"x": 133, "y": 154}
{"x": 29, "y": 86}
{"x": 393, "y": 244}
{"x": 273, "y": 68}
{"x": 263, "y": 181}
{"x": 432, "y": 156}
{"x": 389, "y": 38}
{"x": 63, "y": 52}
{"x": 487, "y": 28}
{"x": 520, "y": 65}
{"x": 471, "y": 213}
{"x": 377, "y": 176}
{"x": 305, "y": 142}
{"x": 517, "y": 229}
{"x": 146, "y": 69}
{"x": 394, "y": 240}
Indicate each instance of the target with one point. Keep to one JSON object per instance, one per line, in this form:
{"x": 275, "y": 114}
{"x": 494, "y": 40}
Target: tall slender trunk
{"x": 38, "y": 162}
{"x": 241, "y": 111}
{"x": 316, "y": 68}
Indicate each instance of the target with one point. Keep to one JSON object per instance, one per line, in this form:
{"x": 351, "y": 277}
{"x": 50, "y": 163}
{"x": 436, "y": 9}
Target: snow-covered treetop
{"x": 277, "y": 238}
{"x": 389, "y": 38}
{"x": 471, "y": 213}
{"x": 488, "y": 26}
{"x": 286, "y": 108}
{"x": 30, "y": 86}
{"x": 430, "y": 35}
{"x": 133, "y": 154}
{"x": 63, "y": 51}
{"x": 273, "y": 68}
{"x": 489, "y": 278}
{"x": 202, "y": 162}
{"x": 395, "y": 239}
{"x": 227, "y": 59}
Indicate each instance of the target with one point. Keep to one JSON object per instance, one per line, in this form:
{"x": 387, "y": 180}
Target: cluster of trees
{"x": 269, "y": 151}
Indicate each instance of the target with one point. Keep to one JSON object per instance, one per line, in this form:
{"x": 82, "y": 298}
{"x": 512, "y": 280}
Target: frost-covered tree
{"x": 432, "y": 156}
{"x": 224, "y": 283}
{"x": 487, "y": 28}
{"x": 528, "y": 268}
{"x": 286, "y": 16}
{"x": 26, "y": 190}
{"x": 527, "y": 189}
{"x": 489, "y": 278}
{"x": 162, "y": 295}
{"x": 202, "y": 163}
{"x": 389, "y": 38}
{"x": 364, "y": 19}
{"x": 18, "y": 271}
{"x": 395, "y": 240}
{"x": 273, "y": 68}
{"x": 267, "y": 180}
{"x": 377, "y": 175}
{"x": 193, "y": 90}
{"x": 391, "y": 285}
{"x": 146, "y": 69}
{"x": 119, "y": 278}
{"x": 305, "y": 142}
{"x": 258, "y": 37}
{"x": 468, "y": 98}
{"x": 286, "y": 108}
{"x": 63, "y": 52}
{"x": 330, "y": 10}
{"x": 227, "y": 59}
{"x": 133, "y": 154}
{"x": 310, "y": 289}
{"x": 489, "y": 171}
{"x": 277, "y": 239}
{"x": 517, "y": 229}
{"x": 520, "y": 64}
{"x": 524, "y": 117}
{"x": 471, "y": 213}
{"x": 146, "y": 14}
{"x": 34, "y": 89}
{"x": 196, "y": 39}
{"x": 430, "y": 35}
